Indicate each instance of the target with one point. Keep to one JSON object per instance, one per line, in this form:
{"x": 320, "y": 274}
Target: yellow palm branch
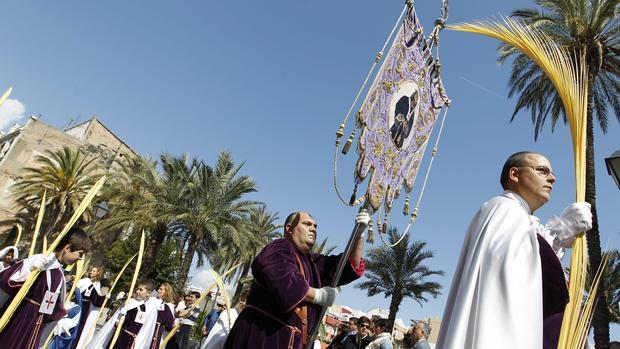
{"x": 37, "y": 225}
{"x": 570, "y": 78}
{"x": 19, "y": 234}
{"x": 6, "y": 95}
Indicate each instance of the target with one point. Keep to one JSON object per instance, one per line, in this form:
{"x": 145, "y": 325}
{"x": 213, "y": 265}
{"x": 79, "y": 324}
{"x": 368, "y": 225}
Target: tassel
{"x": 379, "y": 226}
{"x": 339, "y": 134}
{"x": 385, "y": 225}
{"x": 352, "y": 200}
{"x": 371, "y": 233}
{"x": 347, "y": 145}
{"x": 406, "y": 208}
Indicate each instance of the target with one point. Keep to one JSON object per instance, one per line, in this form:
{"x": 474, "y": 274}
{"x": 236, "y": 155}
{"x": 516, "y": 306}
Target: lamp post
{"x": 613, "y": 166}
{"x": 99, "y": 210}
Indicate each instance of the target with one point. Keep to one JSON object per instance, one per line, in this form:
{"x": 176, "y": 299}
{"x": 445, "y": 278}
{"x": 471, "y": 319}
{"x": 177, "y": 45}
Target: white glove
{"x": 62, "y": 327}
{"x": 576, "y": 218}
{"x": 122, "y": 312}
{"x": 362, "y": 218}
{"x": 177, "y": 321}
{"x": 39, "y": 261}
{"x": 325, "y": 296}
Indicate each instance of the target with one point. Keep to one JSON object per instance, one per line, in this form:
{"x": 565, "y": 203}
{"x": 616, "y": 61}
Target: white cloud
{"x": 11, "y": 111}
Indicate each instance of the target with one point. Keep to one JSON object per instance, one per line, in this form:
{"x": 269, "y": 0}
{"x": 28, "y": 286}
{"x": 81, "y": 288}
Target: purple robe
{"x": 130, "y": 329}
{"x": 25, "y": 326}
{"x": 165, "y": 320}
{"x": 278, "y": 287}
{"x": 555, "y": 294}
{"x": 94, "y": 299}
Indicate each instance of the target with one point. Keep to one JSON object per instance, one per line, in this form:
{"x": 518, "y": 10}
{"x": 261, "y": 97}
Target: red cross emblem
{"x": 48, "y": 302}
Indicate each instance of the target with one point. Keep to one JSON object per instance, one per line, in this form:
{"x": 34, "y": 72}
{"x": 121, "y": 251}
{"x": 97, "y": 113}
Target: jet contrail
{"x": 482, "y": 88}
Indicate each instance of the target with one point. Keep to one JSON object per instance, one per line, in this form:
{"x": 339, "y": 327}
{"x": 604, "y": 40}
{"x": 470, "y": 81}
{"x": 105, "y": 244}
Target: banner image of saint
{"x": 403, "y": 113}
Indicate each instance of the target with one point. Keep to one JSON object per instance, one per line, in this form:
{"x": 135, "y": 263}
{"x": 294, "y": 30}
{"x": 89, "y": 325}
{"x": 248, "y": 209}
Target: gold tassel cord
{"x": 19, "y": 297}
{"x": 204, "y": 295}
{"x": 571, "y": 82}
{"x": 105, "y": 301}
{"x": 136, "y": 272}
{"x": 37, "y": 225}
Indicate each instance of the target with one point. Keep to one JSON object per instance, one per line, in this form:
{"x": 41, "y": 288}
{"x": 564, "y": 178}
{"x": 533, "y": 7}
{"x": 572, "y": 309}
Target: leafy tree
{"x": 590, "y": 29}
{"x": 208, "y": 202}
{"x": 399, "y": 272}
{"x": 66, "y": 176}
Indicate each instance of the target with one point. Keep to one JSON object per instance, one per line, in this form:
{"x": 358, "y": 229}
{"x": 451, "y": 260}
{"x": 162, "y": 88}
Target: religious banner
{"x": 398, "y": 115}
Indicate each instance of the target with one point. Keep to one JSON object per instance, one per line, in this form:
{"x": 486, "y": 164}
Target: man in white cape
{"x": 496, "y": 297}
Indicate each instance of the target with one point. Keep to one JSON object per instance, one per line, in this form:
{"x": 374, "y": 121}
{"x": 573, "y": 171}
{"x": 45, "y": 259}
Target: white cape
{"x": 91, "y": 320}
{"x": 218, "y": 334}
{"x": 142, "y": 341}
{"x": 495, "y": 300}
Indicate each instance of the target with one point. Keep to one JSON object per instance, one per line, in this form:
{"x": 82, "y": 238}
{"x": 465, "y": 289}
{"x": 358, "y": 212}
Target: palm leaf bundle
{"x": 136, "y": 272}
{"x": 568, "y": 73}
{"x": 19, "y": 297}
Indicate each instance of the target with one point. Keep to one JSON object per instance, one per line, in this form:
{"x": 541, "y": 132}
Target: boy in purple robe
{"x": 135, "y": 316}
{"x": 288, "y": 290}
{"x": 43, "y": 303}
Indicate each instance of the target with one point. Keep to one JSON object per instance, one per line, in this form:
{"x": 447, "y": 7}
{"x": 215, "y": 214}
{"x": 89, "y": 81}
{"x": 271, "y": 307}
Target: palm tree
{"x": 134, "y": 194}
{"x": 399, "y": 272}
{"x": 208, "y": 203}
{"x": 590, "y": 29}
{"x": 66, "y": 175}
{"x": 611, "y": 274}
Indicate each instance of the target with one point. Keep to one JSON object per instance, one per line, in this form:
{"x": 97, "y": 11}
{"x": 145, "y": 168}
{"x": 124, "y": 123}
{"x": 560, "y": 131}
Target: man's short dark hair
{"x": 363, "y": 320}
{"x": 195, "y": 294}
{"x": 293, "y": 219}
{"x": 383, "y": 323}
{"x": 354, "y": 319}
{"x": 514, "y": 160}
{"x": 77, "y": 239}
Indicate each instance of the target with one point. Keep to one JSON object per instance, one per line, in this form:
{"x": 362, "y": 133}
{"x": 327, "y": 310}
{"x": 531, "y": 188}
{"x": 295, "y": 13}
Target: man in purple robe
{"x": 43, "y": 303}
{"x": 288, "y": 289}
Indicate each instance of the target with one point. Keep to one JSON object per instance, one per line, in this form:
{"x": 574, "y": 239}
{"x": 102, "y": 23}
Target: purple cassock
{"x": 555, "y": 294}
{"x": 25, "y": 326}
{"x": 270, "y": 320}
{"x": 130, "y": 328}
{"x": 165, "y": 320}
{"x": 88, "y": 298}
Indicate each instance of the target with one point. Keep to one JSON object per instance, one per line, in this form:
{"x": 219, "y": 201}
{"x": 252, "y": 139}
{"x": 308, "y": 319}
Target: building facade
{"x": 20, "y": 146}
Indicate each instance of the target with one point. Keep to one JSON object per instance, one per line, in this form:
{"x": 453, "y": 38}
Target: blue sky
{"x": 270, "y": 81}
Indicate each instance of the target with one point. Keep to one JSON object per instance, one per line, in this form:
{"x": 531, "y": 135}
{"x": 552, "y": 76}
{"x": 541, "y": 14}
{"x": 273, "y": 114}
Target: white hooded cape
{"x": 495, "y": 300}
{"x": 91, "y": 320}
{"x": 3, "y": 253}
{"x": 104, "y": 336}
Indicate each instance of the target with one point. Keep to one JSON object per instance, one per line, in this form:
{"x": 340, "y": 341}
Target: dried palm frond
{"x": 569, "y": 74}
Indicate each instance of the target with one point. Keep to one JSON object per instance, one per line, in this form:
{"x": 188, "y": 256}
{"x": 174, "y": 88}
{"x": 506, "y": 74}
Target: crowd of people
{"x": 509, "y": 265}
{"x": 45, "y": 318}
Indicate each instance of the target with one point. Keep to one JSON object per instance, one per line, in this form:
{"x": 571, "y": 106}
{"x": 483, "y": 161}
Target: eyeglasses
{"x": 364, "y": 325}
{"x": 542, "y": 171}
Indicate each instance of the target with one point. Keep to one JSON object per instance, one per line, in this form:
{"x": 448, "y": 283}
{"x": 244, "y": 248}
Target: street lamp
{"x": 613, "y": 166}
{"x": 99, "y": 210}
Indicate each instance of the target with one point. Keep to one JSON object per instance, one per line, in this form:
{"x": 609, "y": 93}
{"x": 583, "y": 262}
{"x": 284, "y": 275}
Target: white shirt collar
{"x": 519, "y": 199}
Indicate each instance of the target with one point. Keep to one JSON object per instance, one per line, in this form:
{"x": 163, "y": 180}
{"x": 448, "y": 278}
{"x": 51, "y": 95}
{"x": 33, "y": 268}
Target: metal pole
{"x": 357, "y": 231}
